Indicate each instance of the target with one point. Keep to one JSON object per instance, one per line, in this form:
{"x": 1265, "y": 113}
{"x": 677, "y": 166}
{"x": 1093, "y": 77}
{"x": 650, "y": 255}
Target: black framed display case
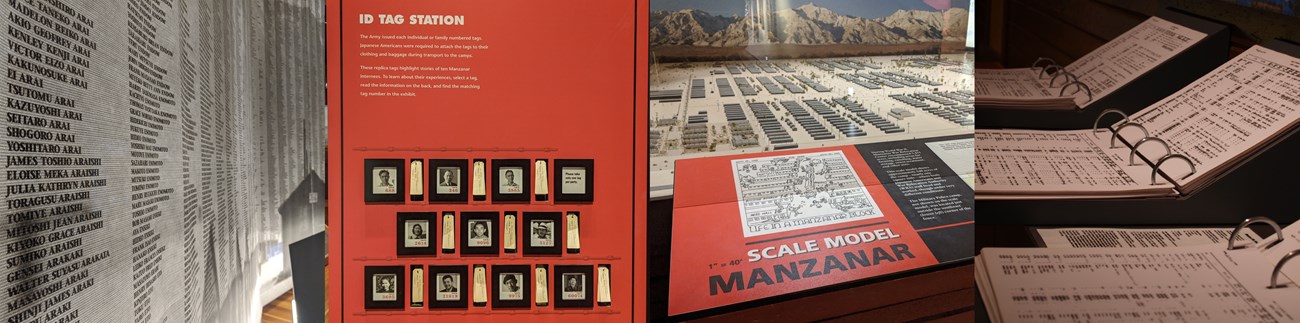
{"x": 511, "y": 181}
{"x": 385, "y": 180}
{"x": 448, "y": 287}
{"x": 574, "y": 286}
{"x": 385, "y": 288}
{"x": 448, "y": 181}
{"x": 511, "y": 286}
{"x": 543, "y": 233}
{"x": 417, "y": 233}
{"x": 574, "y": 180}
{"x": 480, "y": 233}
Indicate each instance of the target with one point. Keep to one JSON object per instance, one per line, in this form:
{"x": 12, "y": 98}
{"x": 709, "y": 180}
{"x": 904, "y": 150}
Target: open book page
{"x": 1130, "y": 55}
{"x": 1227, "y": 113}
{"x": 1274, "y": 253}
{"x": 1103, "y": 70}
{"x": 1010, "y": 83}
{"x": 1021, "y": 88}
{"x": 1056, "y": 163}
{"x": 1141, "y": 238}
{"x": 1204, "y": 283}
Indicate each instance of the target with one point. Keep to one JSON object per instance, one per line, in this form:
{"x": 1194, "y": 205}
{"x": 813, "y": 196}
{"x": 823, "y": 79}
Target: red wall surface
{"x": 556, "y": 81}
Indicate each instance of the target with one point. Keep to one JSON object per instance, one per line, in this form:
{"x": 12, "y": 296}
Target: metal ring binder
{"x": 1040, "y": 60}
{"x": 1103, "y": 114}
{"x": 1277, "y": 269}
{"x": 1259, "y": 219}
{"x": 1058, "y": 69}
{"x": 1077, "y": 86}
{"x": 1156, "y": 169}
{"x": 1069, "y": 77}
{"x": 1133, "y": 153}
{"x": 1126, "y": 124}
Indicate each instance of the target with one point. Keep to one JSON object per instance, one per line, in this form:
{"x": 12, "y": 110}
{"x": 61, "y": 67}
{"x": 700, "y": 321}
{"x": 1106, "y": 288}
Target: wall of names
{"x": 147, "y": 145}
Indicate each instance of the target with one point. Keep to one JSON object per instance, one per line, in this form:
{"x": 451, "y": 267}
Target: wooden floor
{"x": 280, "y": 310}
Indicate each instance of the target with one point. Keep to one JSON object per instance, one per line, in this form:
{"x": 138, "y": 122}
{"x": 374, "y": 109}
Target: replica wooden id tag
{"x": 417, "y": 180}
{"x": 542, "y": 295}
{"x": 480, "y": 181}
{"x": 571, "y": 226}
{"x": 480, "y": 285}
{"x": 417, "y": 286}
{"x": 541, "y": 187}
{"x": 448, "y": 232}
{"x": 602, "y": 280}
{"x": 509, "y": 238}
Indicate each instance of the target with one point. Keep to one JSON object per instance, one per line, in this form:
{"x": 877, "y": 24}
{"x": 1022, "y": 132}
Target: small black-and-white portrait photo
{"x": 511, "y": 179}
{"x": 480, "y": 233}
{"x": 511, "y": 288}
{"x": 385, "y": 181}
{"x": 417, "y": 234}
{"x": 542, "y": 233}
{"x": 385, "y": 287}
{"x": 574, "y": 286}
{"x": 448, "y": 180}
{"x": 448, "y": 288}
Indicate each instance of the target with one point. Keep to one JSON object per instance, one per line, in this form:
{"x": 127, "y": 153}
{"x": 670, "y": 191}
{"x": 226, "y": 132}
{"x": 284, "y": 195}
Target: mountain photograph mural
{"x": 761, "y": 29}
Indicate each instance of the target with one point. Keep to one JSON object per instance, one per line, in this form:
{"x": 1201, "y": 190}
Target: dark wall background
{"x": 1013, "y": 33}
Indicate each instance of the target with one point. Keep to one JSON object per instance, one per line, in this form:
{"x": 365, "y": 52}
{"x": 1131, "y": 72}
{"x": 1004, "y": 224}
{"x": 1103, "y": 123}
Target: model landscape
{"x": 705, "y": 103}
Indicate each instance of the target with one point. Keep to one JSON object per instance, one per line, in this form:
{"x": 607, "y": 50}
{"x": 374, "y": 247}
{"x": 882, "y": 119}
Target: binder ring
{"x": 1040, "y": 60}
{"x": 1103, "y": 114}
{"x": 1272, "y": 283}
{"x": 1259, "y": 219}
{"x": 1077, "y": 86}
{"x": 1127, "y": 124}
{"x": 1168, "y": 157}
{"x": 1058, "y": 68}
{"x": 1068, "y": 78}
{"x": 1139, "y": 143}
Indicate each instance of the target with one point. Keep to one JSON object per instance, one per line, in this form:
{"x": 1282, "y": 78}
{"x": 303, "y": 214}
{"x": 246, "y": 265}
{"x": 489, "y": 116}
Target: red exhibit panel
{"x": 487, "y": 161}
{"x": 782, "y": 222}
